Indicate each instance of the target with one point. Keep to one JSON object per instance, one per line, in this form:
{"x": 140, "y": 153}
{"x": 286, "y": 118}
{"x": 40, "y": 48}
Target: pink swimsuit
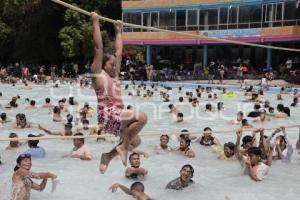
{"x": 110, "y": 105}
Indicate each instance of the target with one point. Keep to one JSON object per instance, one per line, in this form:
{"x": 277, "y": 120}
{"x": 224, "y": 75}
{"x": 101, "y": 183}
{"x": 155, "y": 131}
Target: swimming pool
{"x": 214, "y": 179}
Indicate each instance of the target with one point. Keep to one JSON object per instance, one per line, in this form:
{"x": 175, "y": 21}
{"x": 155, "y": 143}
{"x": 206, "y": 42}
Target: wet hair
{"x": 244, "y": 122}
{"x": 220, "y": 105}
{"x": 180, "y": 99}
{"x": 180, "y": 115}
{"x": 69, "y": 118}
{"x": 190, "y": 99}
{"x": 32, "y": 102}
{"x": 179, "y": 88}
{"x": 271, "y": 109}
{"x": 81, "y": 139}
{"x": 165, "y": 135}
{"x": 171, "y": 106}
{"x": 257, "y": 107}
{"x": 133, "y": 154}
{"x": 68, "y": 125}
{"x": 47, "y": 100}
{"x": 85, "y": 121}
{"x": 56, "y": 109}
{"x": 13, "y": 135}
{"x": 184, "y": 131}
{"x": 230, "y": 145}
{"x": 137, "y": 186}
{"x": 3, "y": 116}
{"x": 261, "y": 92}
{"x": 254, "y": 151}
{"x": 280, "y": 107}
{"x": 250, "y": 89}
{"x": 240, "y": 113}
{"x": 199, "y": 94}
{"x": 208, "y": 106}
{"x": 190, "y": 167}
{"x": 209, "y": 96}
{"x": 287, "y": 111}
{"x": 129, "y": 107}
{"x": 33, "y": 143}
{"x": 207, "y": 128}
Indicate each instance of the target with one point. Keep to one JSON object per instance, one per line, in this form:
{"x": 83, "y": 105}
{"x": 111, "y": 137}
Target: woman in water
{"x": 207, "y": 139}
{"x": 21, "y": 121}
{"x": 22, "y": 181}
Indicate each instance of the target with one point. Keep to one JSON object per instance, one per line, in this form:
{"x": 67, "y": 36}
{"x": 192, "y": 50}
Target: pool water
{"x": 215, "y": 179}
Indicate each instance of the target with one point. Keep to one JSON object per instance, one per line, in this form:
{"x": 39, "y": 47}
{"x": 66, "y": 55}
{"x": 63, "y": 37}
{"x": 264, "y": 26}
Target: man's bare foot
{"x": 123, "y": 153}
{"x": 105, "y": 160}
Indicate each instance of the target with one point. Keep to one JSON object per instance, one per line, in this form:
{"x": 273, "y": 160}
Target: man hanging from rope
{"x": 111, "y": 113}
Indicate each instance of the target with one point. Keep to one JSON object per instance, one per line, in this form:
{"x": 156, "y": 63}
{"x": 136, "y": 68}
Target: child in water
{"x": 136, "y": 190}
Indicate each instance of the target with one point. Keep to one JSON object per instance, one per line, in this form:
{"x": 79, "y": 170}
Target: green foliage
{"x": 40, "y": 31}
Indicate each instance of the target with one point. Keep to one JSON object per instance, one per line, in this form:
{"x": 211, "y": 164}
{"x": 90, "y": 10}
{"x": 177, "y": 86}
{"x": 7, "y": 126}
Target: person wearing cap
{"x": 22, "y": 182}
{"x": 66, "y": 132}
{"x": 185, "y": 179}
{"x": 262, "y": 117}
{"x": 207, "y": 139}
{"x": 21, "y": 122}
{"x": 248, "y": 141}
{"x": 252, "y": 162}
{"x": 80, "y": 150}
{"x": 34, "y": 150}
{"x": 13, "y": 144}
{"x": 137, "y": 190}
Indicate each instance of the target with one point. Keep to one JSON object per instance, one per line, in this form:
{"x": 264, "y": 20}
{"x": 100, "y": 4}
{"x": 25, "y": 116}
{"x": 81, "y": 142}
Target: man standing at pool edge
{"x": 111, "y": 113}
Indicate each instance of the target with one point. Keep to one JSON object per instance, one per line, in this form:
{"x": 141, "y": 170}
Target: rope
{"x": 179, "y": 33}
{"x": 142, "y": 135}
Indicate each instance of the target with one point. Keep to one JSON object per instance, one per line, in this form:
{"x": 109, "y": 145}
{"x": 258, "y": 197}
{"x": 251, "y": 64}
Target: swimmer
{"x": 72, "y": 102}
{"x": 229, "y": 150}
{"x": 61, "y": 104}
{"x": 56, "y": 116}
{"x": 207, "y": 139}
{"x": 13, "y": 103}
{"x": 21, "y": 122}
{"x": 279, "y": 97}
{"x": 283, "y": 147}
{"x": 87, "y": 110}
{"x": 262, "y": 117}
{"x": 22, "y": 181}
{"x": 245, "y": 124}
{"x": 295, "y": 102}
{"x": 66, "y": 132}
{"x": 86, "y": 129}
{"x": 173, "y": 109}
{"x": 34, "y": 150}
{"x": 184, "y": 148}
{"x": 47, "y": 104}
{"x": 209, "y": 108}
{"x": 179, "y": 117}
{"x": 111, "y": 113}
{"x": 271, "y": 112}
{"x": 239, "y": 118}
{"x": 256, "y": 112}
{"x": 282, "y": 112}
{"x": 185, "y": 179}
{"x": 163, "y": 146}
{"x": 135, "y": 171}
{"x": 31, "y": 105}
{"x": 248, "y": 141}
{"x": 136, "y": 190}
{"x": 80, "y": 150}
{"x": 13, "y": 144}
{"x": 4, "y": 119}
{"x": 252, "y": 161}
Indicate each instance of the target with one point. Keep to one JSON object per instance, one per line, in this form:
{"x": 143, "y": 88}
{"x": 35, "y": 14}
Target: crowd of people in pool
{"x": 255, "y": 156}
